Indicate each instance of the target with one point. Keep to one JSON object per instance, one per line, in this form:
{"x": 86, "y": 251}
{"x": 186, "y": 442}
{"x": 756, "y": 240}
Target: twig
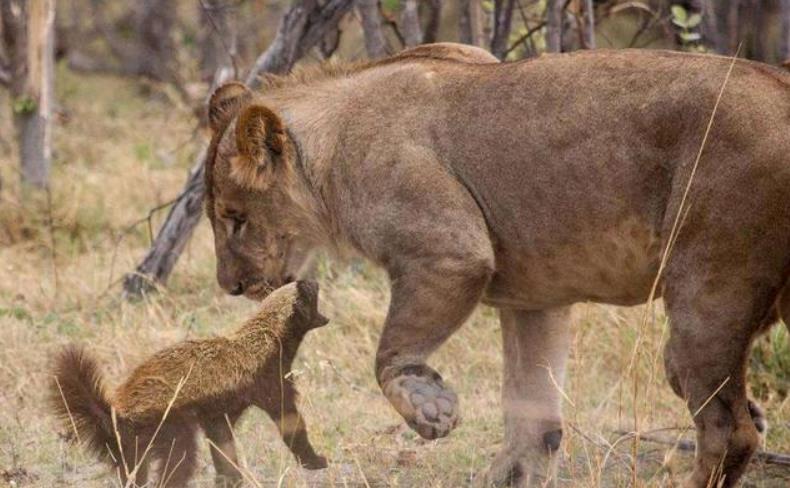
{"x": 68, "y": 410}
{"x": 767, "y": 457}
{"x": 230, "y": 52}
{"x": 51, "y": 230}
{"x": 526, "y": 36}
{"x": 132, "y": 475}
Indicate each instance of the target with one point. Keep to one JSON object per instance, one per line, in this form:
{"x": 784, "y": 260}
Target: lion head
{"x": 257, "y": 200}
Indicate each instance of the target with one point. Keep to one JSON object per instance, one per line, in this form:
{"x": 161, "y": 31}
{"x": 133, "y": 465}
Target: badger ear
{"x": 260, "y": 139}
{"x": 225, "y": 103}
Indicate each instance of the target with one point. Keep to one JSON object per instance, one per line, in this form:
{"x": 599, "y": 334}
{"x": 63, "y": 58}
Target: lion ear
{"x": 225, "y": 103}
{"x": 260, "y": 139}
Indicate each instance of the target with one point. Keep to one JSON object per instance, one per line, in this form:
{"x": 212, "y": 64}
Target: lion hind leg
{"x": 706, "y": 356}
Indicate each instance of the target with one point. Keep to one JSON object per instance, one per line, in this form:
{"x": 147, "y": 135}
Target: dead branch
{"x": 767, "y": 457}
{"x": 524, "y": 37}
{"x": 301, "y": 28}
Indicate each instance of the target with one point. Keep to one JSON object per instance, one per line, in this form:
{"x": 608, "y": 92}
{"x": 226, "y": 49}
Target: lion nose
{"x": 237, "y": 290}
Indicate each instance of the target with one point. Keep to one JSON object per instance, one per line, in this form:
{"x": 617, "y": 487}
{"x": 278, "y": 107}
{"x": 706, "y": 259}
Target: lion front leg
{"x": 427, "y": 306}
{"x": 536, "y": 347}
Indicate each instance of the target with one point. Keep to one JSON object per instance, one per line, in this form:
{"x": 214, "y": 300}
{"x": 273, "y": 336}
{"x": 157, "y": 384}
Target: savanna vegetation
{"x": 102, "y": 136}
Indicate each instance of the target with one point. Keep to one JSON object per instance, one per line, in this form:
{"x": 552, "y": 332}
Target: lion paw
{"x": 421, "y": 397}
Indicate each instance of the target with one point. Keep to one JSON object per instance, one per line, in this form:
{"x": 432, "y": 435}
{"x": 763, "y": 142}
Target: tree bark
{"x": 156, "y": 55}
{"x": 434, "y": 21}
{"x": 589, "y": 24}
{"x": 410, "y": 23}
{"x": 554, "y": 10}
{"x": 471, "y": 23}
{"x": 503, "y": 17}
{"x": 784, "y": 49}
{"x": 711, "y": 33}
{"x": 759, "y": 50}
{"x": 29, "y": 40}
{"x": 375, "y": 43}
{"x": 220, "y": 40}
{"x": 302, "y": 27}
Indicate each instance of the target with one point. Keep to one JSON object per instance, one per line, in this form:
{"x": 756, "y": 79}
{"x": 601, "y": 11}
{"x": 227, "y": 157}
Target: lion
{"x": 200, "y": 384}
{"x": 529, "y": 187}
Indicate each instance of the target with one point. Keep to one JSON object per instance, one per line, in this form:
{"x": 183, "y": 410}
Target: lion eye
{"x": 237, "y": 222}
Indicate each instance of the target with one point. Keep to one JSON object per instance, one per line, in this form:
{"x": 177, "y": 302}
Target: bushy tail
{"x": 79, "y": 399}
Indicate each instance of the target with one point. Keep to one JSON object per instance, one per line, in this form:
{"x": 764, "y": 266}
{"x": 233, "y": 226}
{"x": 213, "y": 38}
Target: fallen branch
{"x": 766, "y": 457}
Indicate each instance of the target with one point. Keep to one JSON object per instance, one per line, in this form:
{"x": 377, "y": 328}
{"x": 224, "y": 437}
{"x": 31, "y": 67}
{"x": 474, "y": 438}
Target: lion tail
{"x": 79, "y": 399}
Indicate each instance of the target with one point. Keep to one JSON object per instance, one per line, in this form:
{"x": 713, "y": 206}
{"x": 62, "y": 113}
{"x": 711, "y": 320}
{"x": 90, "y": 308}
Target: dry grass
{"x": 124, "y": 150}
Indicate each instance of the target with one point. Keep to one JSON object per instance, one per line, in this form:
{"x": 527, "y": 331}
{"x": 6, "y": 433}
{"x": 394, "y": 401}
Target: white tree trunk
{"x": 589, "y": 30}
{"x": 33, "y": 104}
{"x": 410, "y": 23}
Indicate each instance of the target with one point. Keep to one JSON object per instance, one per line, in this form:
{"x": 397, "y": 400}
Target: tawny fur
{"x": 220, "y": 378}
{"x": 531, "y": 186}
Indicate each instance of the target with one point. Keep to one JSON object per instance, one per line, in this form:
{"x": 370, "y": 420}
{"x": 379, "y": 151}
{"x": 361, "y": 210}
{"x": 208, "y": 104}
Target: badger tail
{"x": 78, "y": 398}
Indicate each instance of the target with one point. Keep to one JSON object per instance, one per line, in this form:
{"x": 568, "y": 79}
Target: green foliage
{"x": 16, "y": 312}
{"x": 24, "y": 105}
{"x": 687, "y": 23}
{"x": 390, "y": 5}
{"x": 143, "y": 152}
{"x": 770, "y": 364}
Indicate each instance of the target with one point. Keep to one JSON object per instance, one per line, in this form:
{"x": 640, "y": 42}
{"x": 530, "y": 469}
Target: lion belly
{"x": 617, "y": 266}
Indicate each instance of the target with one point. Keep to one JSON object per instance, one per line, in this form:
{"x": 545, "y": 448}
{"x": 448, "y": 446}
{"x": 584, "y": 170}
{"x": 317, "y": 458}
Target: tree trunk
{"x": 375, "y": 44}
{"x": 410, "y": 23}
{"x": 303, "y": 26}
{"x": 434, "y": 21}
{"x": 503, "y": 17}
{"x": 220, "y": 39}
{"x": 711, "y": 33}
{"x": 759, "y": 28}
{"x": 589, "y": 24}
{"x": 471, "y": 23}
{"x": 731, "y": 26}
{"x": 554, "y": 10}
{"x": 784, "y": 48}
{"x": 156, "y": 54}
{"x": 29, "y": 39}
